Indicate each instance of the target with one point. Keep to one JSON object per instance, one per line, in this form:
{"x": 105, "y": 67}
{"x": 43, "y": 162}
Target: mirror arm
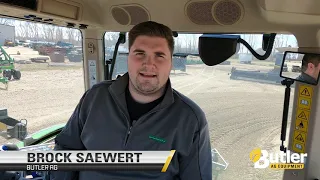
{"x": 268, "y": 49}
{"x": 106, "y": 69}
{"x": 121, "y": 40}
{"x": 287, "y": 83}
{"x": 265, "y": 41}
{"x": 175, "y": 34}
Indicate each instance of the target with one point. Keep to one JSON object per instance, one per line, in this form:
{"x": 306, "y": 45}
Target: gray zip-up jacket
{"x": 101, "y": 122}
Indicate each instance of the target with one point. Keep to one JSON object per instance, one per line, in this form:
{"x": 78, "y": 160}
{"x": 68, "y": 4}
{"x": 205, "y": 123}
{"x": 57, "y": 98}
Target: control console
{"x": 26, "y": 175}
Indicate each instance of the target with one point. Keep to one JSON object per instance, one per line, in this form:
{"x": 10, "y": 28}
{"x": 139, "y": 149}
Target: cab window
{"x": 50, "y": 61}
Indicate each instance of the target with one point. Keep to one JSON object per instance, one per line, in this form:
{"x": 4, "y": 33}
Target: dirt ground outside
{"x": 242, "y": 115}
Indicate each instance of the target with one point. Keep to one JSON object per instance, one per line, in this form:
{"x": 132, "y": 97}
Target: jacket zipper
{"x": 128, "y": 134}
{"x": 134, "y": 121}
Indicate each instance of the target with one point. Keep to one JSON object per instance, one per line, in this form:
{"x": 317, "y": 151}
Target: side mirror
{"x": 299, "y": 66}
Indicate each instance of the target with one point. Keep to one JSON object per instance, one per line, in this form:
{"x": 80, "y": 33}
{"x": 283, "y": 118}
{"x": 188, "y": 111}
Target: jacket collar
{"x": 118, "y": 88}
{"x": 305, "y": 77}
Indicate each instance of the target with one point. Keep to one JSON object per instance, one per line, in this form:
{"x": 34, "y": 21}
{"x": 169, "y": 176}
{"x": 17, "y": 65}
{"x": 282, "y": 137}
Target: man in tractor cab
{"x": 136, "y": 110}
{"x": 310, "y": 68}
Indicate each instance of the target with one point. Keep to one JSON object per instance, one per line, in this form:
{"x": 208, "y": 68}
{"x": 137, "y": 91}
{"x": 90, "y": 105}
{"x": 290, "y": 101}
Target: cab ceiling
{"x": 181, "y": 15}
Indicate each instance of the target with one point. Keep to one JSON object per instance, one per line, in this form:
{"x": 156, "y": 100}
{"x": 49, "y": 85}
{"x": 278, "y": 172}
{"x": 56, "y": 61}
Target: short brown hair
{"x": 153, "y": 29}
{"x": 310, "y": 58}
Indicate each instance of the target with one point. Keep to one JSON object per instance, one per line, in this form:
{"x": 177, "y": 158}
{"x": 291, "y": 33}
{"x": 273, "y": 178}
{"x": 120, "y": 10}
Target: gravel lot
{"x": 242, "y": 115}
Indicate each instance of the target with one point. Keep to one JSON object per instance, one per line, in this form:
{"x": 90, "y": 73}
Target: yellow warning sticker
{"x": 300, "y": 136}
{"x": 304, "y": 103}
{"x": 305, "y": 91}
{"x": 303, "y": 114}
{"x": 302, "y": 118}
{"x": 298, "y": 147}
{"x": 302, "y": 125}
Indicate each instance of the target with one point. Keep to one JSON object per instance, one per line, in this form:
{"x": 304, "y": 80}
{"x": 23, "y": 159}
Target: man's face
{"x": 149, "y": 64}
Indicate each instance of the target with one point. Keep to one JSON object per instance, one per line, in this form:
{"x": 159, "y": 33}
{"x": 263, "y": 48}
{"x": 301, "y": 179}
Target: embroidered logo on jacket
{"x": 157, "y": 139}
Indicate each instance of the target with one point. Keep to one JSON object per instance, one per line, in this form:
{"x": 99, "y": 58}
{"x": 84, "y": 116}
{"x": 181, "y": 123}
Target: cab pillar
{"x": 304, "y": 133}
{"x": 93, "y": 52}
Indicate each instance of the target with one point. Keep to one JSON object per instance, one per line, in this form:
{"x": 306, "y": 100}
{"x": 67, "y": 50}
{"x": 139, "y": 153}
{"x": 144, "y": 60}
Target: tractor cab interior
{"x": 249, "y": 65}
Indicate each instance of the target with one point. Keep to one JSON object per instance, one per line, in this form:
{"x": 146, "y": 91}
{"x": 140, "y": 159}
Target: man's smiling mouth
{"x": 147, "y": 75}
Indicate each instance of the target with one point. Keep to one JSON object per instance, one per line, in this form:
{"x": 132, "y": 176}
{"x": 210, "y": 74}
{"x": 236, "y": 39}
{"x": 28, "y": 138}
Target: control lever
{"x": 9, "y": 147}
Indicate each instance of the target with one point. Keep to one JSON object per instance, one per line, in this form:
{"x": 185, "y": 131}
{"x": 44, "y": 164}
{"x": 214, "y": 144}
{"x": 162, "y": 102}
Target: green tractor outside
{"x": 7, "y": 68}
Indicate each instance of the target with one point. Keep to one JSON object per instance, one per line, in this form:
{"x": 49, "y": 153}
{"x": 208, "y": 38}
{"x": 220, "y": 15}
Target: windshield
{"x": 241, "y": 97}
{"x": 50, "y": 61}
